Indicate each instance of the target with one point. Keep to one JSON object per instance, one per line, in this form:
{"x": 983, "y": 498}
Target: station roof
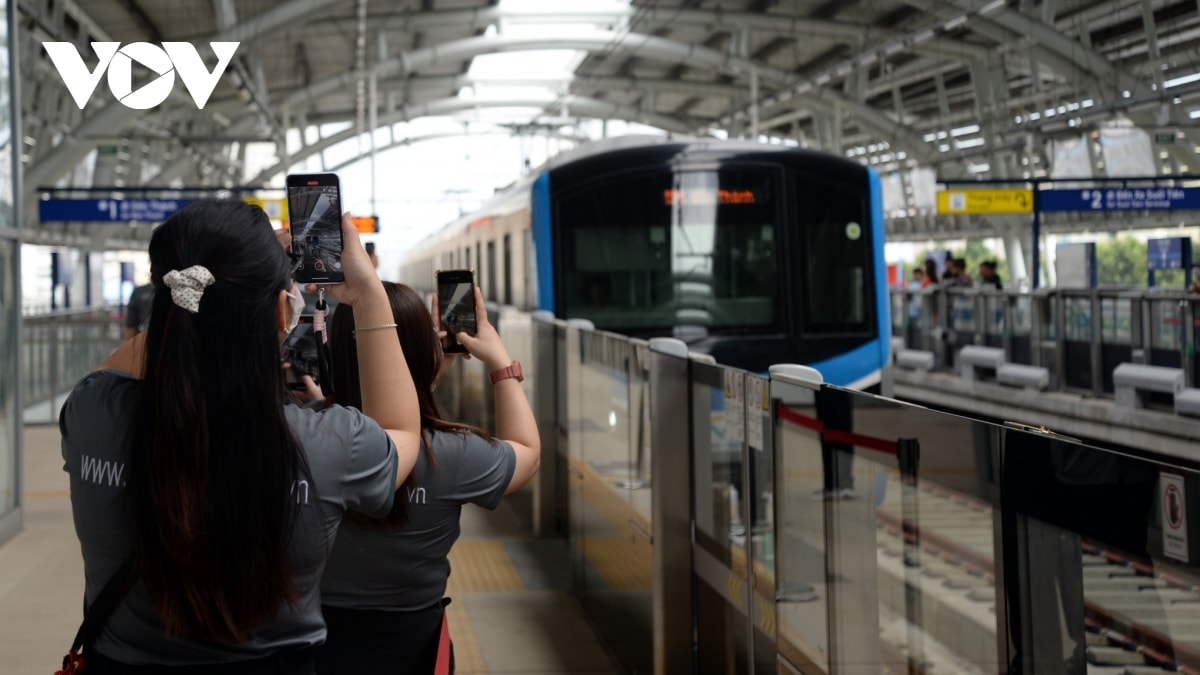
{"x": 959, "y": 88}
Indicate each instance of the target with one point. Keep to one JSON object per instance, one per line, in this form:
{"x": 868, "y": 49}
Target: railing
{"x": 1080, "y": 336}
{"x": 56, "y": 350}
{"x": 722, "y": 521}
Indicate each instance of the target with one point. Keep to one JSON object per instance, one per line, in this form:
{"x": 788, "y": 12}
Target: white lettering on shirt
{"x": 101, "y": 472}
{"x": 415, "y": 495}
{"x": 300, "y": 489}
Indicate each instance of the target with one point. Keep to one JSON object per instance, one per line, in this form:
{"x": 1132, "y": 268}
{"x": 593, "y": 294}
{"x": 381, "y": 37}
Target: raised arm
{"x": 514, "y": 416}
{"x": 388, "y": 394}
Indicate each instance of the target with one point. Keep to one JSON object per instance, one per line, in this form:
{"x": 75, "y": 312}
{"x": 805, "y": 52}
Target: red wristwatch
{"x": 511, "y": 370}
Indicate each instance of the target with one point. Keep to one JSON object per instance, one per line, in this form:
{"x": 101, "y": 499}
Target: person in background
{"x": 964, "y": 277}
{"x": 137, "y": 312}
{"x": 931, "y": 274}
{"x": 918, "y": 279}
{"x": 382, "y": 594}
{"x": 956, "y": 273}
{"x": 988, "y": 276}
{"x": 371, "y": 254}
{"x": 199, "y": 493}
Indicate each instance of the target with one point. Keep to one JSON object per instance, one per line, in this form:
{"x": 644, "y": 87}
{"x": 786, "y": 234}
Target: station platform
{"x": 512, "y": 611}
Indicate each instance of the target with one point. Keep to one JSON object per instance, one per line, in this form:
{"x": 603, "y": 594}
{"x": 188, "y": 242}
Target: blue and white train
{"x": 756, "y": 254}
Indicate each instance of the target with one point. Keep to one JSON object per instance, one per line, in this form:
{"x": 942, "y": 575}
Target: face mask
{"x": 297, "y": 309}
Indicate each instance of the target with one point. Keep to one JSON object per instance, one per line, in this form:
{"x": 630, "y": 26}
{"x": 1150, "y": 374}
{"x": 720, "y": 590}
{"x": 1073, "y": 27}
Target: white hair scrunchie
{"x": 187, "y": 286}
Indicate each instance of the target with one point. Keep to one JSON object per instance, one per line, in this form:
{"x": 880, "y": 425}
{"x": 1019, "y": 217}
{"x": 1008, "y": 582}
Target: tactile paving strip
{"x": 617, "y": 562}
{"x": 481, "y": 567}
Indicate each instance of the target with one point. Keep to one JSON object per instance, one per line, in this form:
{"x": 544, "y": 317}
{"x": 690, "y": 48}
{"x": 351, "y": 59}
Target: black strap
{"x": 102, "y": 607}
{"x": 324, "y": 358}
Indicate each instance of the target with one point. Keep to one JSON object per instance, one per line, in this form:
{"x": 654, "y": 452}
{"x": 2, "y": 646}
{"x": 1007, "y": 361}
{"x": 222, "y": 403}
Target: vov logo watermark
{"x": 165, "y": 61}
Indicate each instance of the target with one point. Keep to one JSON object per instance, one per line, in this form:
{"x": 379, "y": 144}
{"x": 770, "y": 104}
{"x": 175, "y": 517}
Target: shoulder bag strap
{"x": 102, "y": 607}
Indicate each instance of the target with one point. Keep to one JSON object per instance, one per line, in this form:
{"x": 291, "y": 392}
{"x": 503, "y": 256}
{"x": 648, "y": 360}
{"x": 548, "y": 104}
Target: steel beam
{"x": 579, "y": 106}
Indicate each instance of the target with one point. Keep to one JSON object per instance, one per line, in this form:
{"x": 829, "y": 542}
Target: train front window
{"x": 660, "y": 251}
{"x": 836, "y": 222}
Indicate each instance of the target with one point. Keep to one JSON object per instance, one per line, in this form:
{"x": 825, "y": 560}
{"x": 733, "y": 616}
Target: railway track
{"x": 1138, "y": 620}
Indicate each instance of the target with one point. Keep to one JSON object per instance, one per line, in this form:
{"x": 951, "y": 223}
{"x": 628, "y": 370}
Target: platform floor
{"x": 512, "y": 612}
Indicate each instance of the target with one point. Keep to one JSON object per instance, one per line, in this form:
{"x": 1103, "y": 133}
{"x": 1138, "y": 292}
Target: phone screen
{"x": 315, "y": 213}
{"x": 300, "y": 350}
{"x": 456, "y": 306}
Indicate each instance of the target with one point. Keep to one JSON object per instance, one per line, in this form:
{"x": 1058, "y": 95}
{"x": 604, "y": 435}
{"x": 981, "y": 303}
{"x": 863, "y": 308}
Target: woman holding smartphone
{"x": 206, "y": 499}
{"x": 382, "y": 590}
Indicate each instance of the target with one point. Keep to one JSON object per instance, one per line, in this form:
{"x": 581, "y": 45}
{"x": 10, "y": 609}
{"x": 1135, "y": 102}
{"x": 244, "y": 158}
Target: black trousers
{"x": 285, "y": 662}
{"x": 374, "y": 641}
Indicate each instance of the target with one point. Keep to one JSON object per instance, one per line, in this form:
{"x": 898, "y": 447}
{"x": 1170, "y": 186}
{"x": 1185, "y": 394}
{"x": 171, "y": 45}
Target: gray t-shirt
{"x": 353, "y": 464}
{"x": 405, "y": 569}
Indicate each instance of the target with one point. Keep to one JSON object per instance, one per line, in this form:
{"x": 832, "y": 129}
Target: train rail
{"x": 1137, "y": 619}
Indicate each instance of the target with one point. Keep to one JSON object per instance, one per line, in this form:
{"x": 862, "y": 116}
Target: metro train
{"x": 755, "y": 254}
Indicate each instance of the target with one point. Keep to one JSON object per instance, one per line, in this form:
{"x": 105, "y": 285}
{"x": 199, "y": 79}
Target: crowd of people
{"x": 229, "y": 527}
{"x": 955, "y": 274}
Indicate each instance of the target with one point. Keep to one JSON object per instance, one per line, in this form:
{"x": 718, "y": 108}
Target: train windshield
{"x": 654, "y": 252}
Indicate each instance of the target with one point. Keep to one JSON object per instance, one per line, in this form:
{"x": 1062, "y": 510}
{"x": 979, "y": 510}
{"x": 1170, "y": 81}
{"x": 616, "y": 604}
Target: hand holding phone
{"x": 300, "y": 354}
{"x": 315, "y": 210}
{"x": 456, "y": 307}
{"x": 485, "y": 343}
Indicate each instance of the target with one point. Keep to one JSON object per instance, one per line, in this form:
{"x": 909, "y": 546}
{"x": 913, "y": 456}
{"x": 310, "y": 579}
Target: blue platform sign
{"x": 1120, "y": 199}
{"x": 1165, "y": 254}
{"x": 109, "y": 210}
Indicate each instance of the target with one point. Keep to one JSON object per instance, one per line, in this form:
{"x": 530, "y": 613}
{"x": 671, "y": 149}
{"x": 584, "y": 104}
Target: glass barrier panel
{"x": 1077, "y": 342}
{"x": 1077, "y": 324}
{"x": 721, "y": 532}
{"x": 801, "y": 588}
{"x": 1167, "y": 332}
{"x": 899, "y": 311}
{"x": 9, "y": 308}
{"x": 615, "y": 537}
{"x": 1116, "y": 321}
{"x": 1101, "y": 556}
{"x": 1022, "y": 315}
{"x": 1116, "y": 340}
{"x": 994, "y": 318}
{"x": 962, "y": 312}
{"x": 924, "y": 483}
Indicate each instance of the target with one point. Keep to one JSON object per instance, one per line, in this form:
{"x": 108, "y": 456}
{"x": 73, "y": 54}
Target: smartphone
{"x": 456, "y": 306}
{"x": 300, "y": 350}
{"x": 315, "y": 219}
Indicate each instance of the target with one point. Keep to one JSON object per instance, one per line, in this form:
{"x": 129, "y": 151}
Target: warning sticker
{"x": 1173, "y": 508}
{"x": 756, "y": 389}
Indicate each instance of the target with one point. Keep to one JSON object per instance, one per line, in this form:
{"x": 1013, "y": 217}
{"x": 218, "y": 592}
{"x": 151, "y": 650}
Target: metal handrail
{"x": 1116, "y": 318}
{"x": 59, "y": 348}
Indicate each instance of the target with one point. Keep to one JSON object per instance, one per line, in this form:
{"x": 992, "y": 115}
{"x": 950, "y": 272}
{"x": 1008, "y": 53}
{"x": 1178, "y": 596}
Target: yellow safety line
{"x": 46, "y": 494}
{"x": 620, "y": 564}
{"x": 482, "y": 566}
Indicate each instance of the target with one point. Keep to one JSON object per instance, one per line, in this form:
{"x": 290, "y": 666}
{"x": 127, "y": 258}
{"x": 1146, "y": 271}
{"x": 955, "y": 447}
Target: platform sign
{"x": 1173, "y": 509}
{"x": 966, "y": 202}
{"x": 109, "y": 210}
{"x": 367, "y": 224}
{"x": 275, "y": 207}
{"x": 1165, "y": 254}
{"x": 1120, "y": 199}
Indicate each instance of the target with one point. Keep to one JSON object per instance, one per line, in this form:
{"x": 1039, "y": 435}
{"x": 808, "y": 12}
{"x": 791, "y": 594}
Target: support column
{"x": 1015, "y": 255}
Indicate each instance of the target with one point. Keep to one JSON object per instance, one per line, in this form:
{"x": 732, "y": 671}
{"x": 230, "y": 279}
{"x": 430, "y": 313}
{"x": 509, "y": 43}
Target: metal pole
{"x": 908, "y": 455}
{"x": 1035, "y": 264}
{"x": 753, "y": 103}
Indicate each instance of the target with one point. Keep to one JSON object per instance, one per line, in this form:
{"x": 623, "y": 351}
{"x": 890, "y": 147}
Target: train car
{"x": 756, "y": 254}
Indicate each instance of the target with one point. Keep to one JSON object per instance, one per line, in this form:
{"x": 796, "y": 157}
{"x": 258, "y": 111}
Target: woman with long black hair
{"x": 382, "y": 591}
{"x": 197, "y": 485}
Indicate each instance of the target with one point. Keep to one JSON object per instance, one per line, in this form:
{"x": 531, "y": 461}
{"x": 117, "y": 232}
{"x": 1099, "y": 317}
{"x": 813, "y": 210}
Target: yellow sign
{"x": 276, "y": 207}
{"x": 955, "y": 202}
